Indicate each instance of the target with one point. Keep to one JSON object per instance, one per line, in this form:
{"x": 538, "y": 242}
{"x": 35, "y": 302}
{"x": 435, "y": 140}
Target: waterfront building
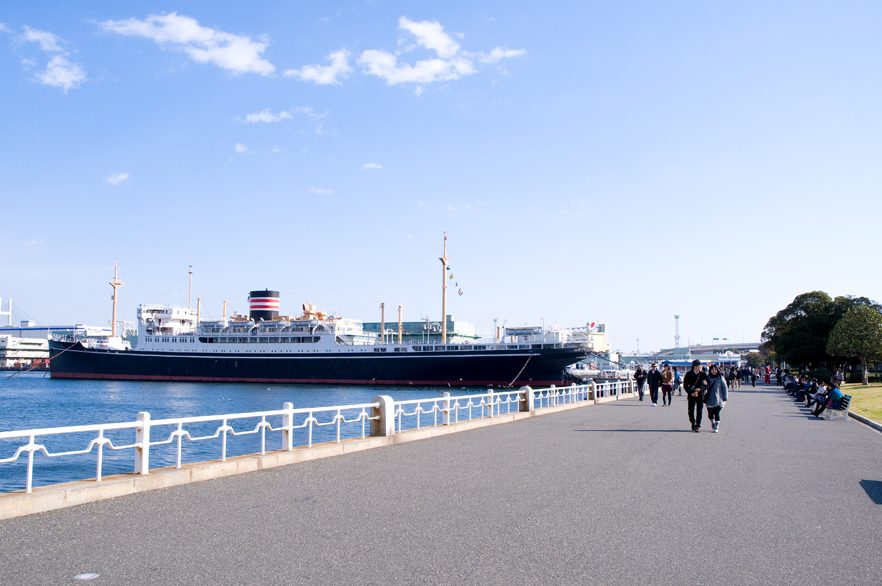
{"x": 425, "y": 332}
{"x": 21, "y": 346}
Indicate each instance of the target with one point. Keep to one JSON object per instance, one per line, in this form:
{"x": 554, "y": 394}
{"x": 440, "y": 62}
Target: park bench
{"x": 831, "y": 414}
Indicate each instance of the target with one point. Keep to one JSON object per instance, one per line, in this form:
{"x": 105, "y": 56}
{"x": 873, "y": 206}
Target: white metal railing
{"x": 144, "y": 427}
{"x": 408, "y": 414}
{"x": 449, "y": 408}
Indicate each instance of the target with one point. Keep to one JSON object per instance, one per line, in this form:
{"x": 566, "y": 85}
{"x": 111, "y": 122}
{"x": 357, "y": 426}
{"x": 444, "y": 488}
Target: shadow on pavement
{"x": 639, "y": 430}
{"x": 874, "y": 490}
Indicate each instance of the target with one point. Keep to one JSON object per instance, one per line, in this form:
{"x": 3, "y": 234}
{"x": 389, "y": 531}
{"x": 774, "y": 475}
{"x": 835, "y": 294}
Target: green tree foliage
{"x": 798, "y": 334}
{"x": 858, "y": 335}
{"x": 755, "y": 359}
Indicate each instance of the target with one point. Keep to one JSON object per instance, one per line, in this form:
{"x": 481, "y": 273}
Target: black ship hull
{"x": 511, "y": 367}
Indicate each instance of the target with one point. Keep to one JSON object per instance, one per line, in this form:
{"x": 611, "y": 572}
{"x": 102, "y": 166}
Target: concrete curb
{"x": 69, "y": 494}
{"x": 865, "y": 421}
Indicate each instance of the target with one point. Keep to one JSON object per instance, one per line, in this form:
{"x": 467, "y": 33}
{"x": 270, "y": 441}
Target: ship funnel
{"x": 263, "y": 305}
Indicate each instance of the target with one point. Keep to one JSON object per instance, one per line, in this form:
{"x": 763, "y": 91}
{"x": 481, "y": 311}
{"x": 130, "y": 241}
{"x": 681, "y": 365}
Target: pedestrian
{"x": 753, "y": 377}
{"x": 678, "y": 381}
{"x": 717, "y": 395}
{"x": 839, "y": 378}
{"x": 640, "y": 378}
{"x": 667, "y": 385}
{"x": 654, "y": 379}
{"x": 695, "y": 382}
{"x": 833, "y": 400}
{"x": 768, "y": 375}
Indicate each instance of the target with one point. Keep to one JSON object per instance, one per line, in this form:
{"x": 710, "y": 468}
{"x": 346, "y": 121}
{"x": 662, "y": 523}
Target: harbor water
{"x": 33, "y": 401}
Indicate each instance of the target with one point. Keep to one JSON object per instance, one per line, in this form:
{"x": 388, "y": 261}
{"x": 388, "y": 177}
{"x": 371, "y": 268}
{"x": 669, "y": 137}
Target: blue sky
{"x": 611, "y": 162}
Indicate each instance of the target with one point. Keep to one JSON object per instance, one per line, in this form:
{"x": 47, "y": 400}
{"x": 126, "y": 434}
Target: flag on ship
{"x": 460, "y": 291}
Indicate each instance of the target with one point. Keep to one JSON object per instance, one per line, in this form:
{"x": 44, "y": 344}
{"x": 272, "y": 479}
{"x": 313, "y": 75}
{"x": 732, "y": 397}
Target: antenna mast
{"x": 190, "y": 289}
{"x": 444, "y": 260}
{"x": 676, "y": 331}
{"x": 115, "y": 283}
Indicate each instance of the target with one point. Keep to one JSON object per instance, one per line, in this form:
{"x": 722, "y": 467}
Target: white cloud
{"x": 450, "y": 208}
{"x": 241, "y": 148}
{"x": 62, "y": 73}
{"x": 451, "y": 63}
{"x": 499, "y": 53}
{"x": 117, "y": 178}
{"x": 236, "y": 53}
{"x": 385, "y": 65}
{"x": 59, "y": 71}
{"x": 48, "y": 41}
{"x": 325, "y": 74}
{"x": 418, "y": 91}
{"x": 35, "y": 242}
{"x": 431, "y": 35}
{"x": 321, "y": 191}
{"x": 3, "y": 27}
{"x": 372, "y": 166}
{"x": 266, "y": 116}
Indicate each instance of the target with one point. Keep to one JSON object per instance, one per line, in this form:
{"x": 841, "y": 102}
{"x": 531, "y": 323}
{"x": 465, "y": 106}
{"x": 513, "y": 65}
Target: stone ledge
{"x": 69, "y": 494}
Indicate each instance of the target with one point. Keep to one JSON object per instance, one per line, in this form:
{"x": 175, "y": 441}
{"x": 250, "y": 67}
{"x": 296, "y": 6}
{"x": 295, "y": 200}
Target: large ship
{"x": 173, "y": 344}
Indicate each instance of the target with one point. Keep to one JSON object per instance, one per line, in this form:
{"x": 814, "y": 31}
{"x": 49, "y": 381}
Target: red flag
{"x": 592, "y": 324}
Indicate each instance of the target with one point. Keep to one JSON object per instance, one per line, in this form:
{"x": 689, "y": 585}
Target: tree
{"x": 798, "y": 334}
{"x": 755, "y": 359}
{"x": 858, "y": 335}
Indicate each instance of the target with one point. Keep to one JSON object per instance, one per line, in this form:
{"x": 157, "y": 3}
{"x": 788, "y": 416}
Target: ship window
{"x": 314, "y": 340}
{"x": 201, "y": 339}
{"x": 453, "y": 347}
{"x": 480, "y": 347}
{"x": 262, "y": 340}
{"x": 537, "y": 346}
{"x": 252, "y": 340}
{"x": 274, "y": 340}
{"x": 283, "y": 340}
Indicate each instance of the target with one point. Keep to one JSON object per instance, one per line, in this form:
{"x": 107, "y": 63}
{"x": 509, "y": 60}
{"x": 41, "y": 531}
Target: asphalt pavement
{"x": 620, "y": 493}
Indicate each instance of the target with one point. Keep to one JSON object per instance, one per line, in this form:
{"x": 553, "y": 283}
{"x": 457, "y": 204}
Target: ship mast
{"x": 444, "y": 260}
{"x": 115, "y": 283}
{"x": 190, "y": 289}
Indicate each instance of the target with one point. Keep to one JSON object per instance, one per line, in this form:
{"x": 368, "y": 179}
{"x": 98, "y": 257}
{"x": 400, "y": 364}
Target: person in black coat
{"x": 640, "y": 379}
{"x": 654, "y": 380}
{"x": 695, "y": 382}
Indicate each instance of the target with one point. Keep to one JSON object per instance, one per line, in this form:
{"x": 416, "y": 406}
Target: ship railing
{"x": 309, "y": 419}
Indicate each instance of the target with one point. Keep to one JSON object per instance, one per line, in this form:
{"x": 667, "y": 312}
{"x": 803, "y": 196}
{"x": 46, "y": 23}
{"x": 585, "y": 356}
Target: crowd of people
{"x": 706, "y": 386}
{"x": 817, "y": 395}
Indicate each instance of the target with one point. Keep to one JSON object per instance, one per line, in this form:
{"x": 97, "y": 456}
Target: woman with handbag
{"x": 716, "y": 397}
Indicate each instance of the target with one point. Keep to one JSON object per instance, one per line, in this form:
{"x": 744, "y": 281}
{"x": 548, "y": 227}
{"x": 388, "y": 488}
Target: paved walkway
{"x": 621, "y": 493}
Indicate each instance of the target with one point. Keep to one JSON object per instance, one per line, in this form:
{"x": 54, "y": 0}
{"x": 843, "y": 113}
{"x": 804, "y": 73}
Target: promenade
{"x": 617, "y": 493}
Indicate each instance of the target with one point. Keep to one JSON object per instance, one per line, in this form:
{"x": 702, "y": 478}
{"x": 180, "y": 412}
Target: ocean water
{"x": 31, "y": 401}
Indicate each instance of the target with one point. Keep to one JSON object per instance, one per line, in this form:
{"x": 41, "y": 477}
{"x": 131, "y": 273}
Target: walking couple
{"x": 705, "y": 388}
{"x": 664, "y": 379}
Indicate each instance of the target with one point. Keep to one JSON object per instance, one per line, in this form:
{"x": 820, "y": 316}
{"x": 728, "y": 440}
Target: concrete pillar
{"x": 288, "y": 424}
{"x": 142, "y": 436}
{"x": 526, "y": 401}
{"x": 593, "y": 386}
{"x": 385, "y": 425}
{"x": 445, "y": 417}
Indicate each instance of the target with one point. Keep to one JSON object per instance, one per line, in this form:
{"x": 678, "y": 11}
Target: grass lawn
{"x": 865, "y": 400}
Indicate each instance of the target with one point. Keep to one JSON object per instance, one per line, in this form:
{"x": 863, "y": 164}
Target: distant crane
{"x": 676, "y": 331}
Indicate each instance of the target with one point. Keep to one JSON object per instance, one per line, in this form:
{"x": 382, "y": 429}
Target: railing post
{"x": 552, "y": 392}
{"x": 526, "y": 401}
{"x": 445, "y": 418}
{"x": 593, "y": 386}
{"x": 385, "y": 425}
{"x": 288, "y": 424}
{"x": 142, "y": 436}
{"x": 490, "y": 399}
